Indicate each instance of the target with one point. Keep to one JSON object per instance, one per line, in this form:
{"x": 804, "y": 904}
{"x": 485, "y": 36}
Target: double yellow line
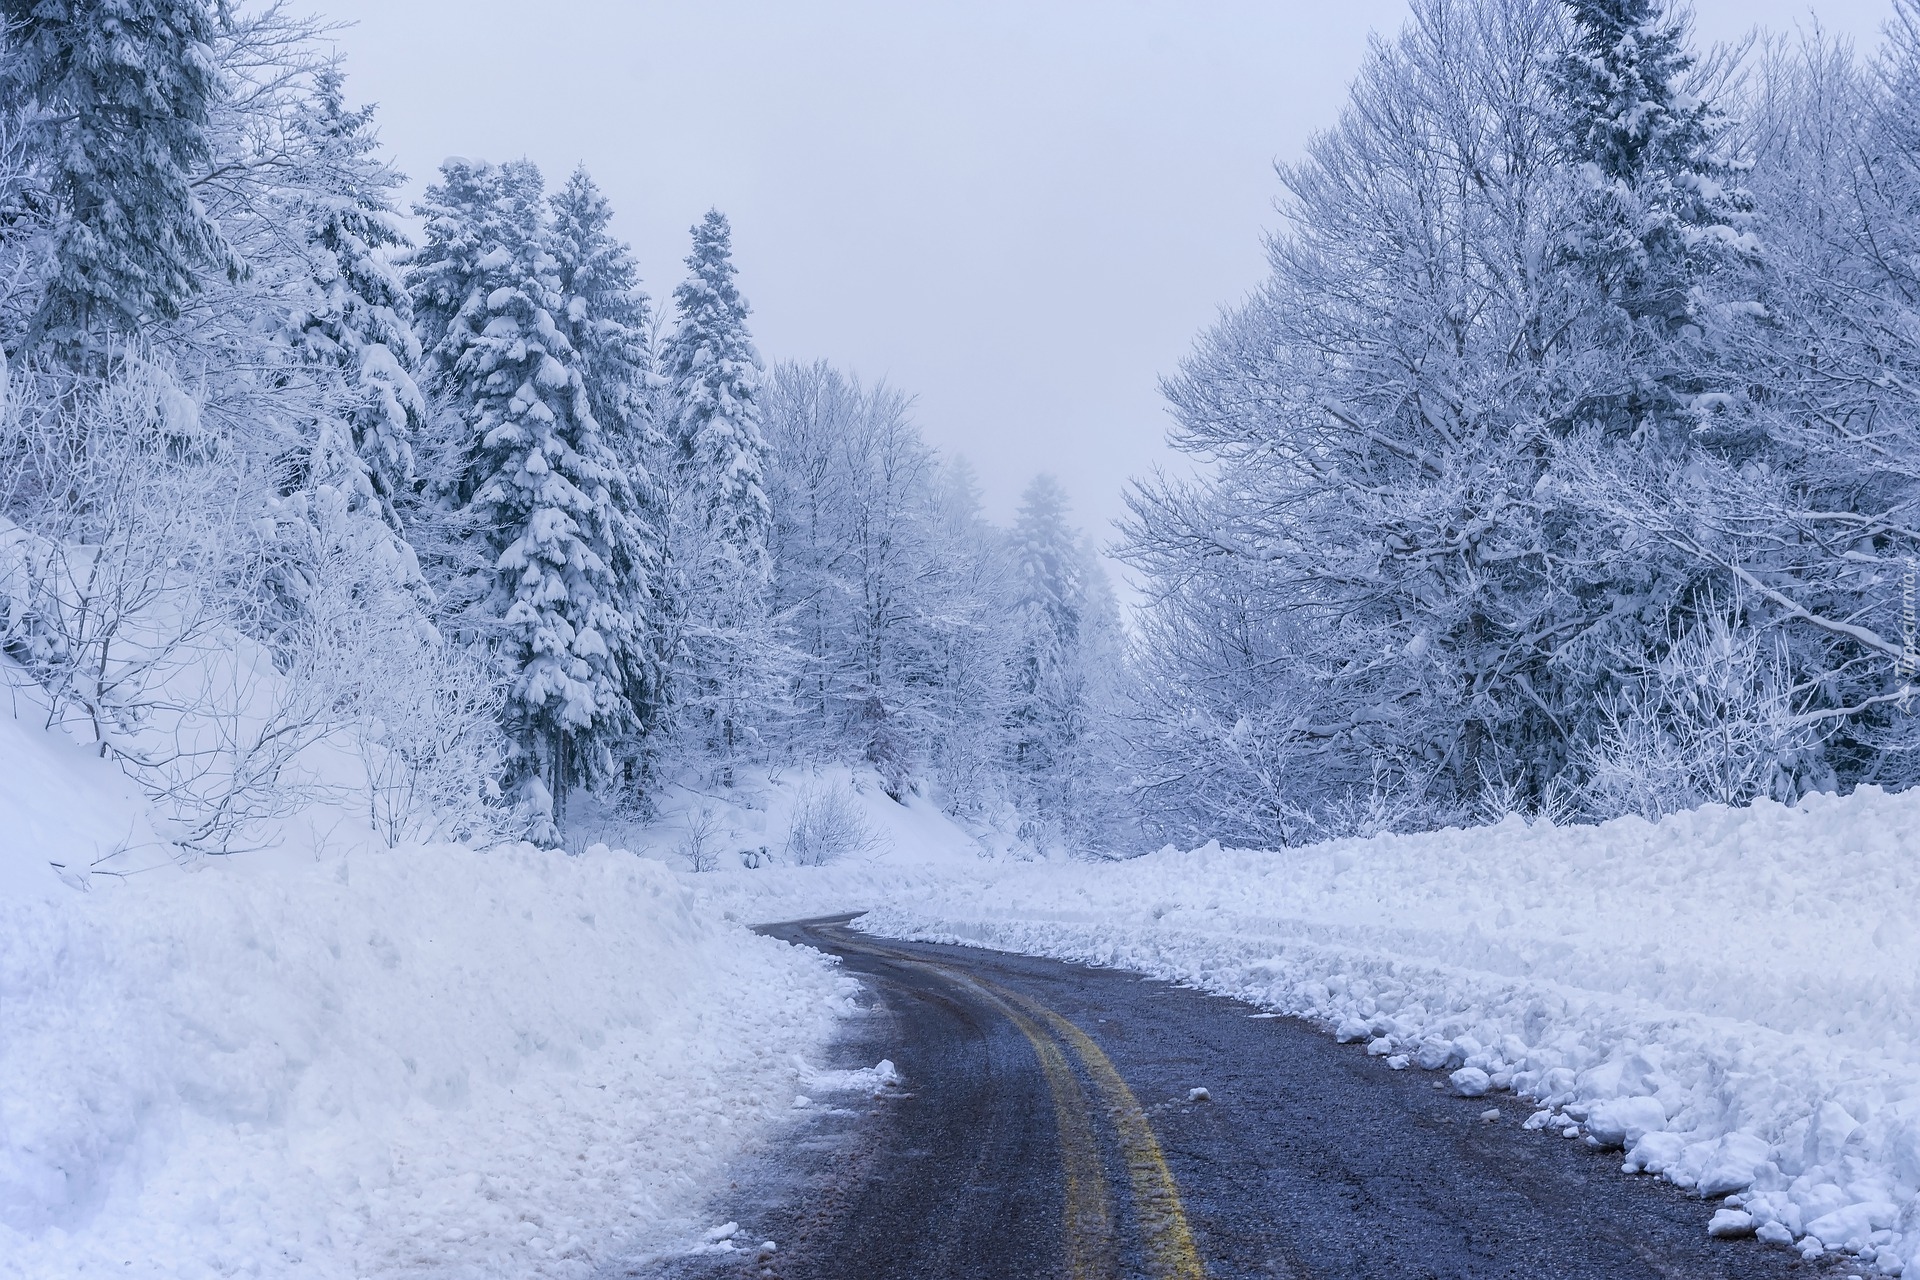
{"x": 1161, "y": 1221}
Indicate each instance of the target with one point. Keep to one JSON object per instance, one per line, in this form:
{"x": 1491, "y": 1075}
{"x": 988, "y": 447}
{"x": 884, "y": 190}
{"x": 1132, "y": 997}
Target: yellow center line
{"x": 1089, "y": 1225}
{"x": 1156, "y": 1199}
{"x": 1161, "y": 1219}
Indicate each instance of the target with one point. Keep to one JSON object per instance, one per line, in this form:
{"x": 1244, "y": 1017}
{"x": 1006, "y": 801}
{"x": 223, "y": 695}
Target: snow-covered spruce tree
{"x": 726, "y": 662}
{"x": 1045, "y": 723}
{"x": 304, "y": 367}
{"x": 1732, "y": 480}
{"x": 358, "y": 316}
{"x": 608, "y": 321}
{"x": 1664, "y": 262}
{"x": 114, "y": 97}
{"x": 536, "y": 478}
{"x": 1065, "y": 631}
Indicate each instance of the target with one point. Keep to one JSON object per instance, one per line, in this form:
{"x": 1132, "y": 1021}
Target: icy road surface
{"x": 1052, "y": 1120}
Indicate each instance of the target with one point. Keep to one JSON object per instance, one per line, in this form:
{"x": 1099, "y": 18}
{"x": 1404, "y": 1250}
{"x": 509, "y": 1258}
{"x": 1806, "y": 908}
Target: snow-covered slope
{"x": 1731, "y": 996}
{"x": 362, "y": 1062}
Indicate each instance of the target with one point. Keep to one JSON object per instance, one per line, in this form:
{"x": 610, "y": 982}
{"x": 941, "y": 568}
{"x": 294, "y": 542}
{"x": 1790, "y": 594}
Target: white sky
{"x": 1021, "y": 211}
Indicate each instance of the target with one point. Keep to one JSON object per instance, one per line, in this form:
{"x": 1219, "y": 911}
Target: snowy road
{"x": 1047, "y": 1126}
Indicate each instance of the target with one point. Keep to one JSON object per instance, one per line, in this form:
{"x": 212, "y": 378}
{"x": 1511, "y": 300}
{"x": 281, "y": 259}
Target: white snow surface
{"x": 332, "y": 1060}
{"x": 335, "y": 1060}
{"x": 1730, "y": 996}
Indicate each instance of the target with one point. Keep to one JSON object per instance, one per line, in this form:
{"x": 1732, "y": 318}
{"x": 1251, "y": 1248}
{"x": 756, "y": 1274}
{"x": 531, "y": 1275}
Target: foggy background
{"x": 1022, "y": 213}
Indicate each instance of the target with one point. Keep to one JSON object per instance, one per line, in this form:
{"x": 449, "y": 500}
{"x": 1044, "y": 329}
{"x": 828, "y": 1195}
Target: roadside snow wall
{"x": 1730, "y": 996}
{"x": 420, "y": 1062}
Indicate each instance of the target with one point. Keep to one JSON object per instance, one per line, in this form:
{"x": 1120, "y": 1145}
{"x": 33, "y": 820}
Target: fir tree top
{"x": 709, "y": 297}
{"x": 347, "y": 203}
{"x": 1049, "y": 556}
{"x": 713, "y": 377}
{"x": 607, "y": 310}
{"x": 472, "y": 215}
{"x": 1623, "y": 86}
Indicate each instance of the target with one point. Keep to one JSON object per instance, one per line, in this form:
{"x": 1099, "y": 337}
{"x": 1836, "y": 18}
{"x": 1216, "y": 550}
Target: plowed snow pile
{"x": 1730, "y": 996}
{"x": 359, "y": 1062}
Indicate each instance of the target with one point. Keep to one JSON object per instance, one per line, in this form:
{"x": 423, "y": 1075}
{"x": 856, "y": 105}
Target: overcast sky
{"x": 1020, "y": 211}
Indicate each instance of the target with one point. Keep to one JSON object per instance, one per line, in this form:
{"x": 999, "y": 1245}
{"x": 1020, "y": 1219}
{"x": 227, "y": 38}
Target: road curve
{"x": 1046, "y": 1128}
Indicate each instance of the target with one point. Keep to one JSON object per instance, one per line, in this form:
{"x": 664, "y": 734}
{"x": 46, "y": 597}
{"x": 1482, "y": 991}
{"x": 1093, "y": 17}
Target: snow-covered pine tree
{"x": 1677, "y": 444}
{"x": 1658, "y": 213}
{"x": 535, "y": 475}
{"x": 713, "y": 380}
{"x": 358, "y": 316}
{"x": 608, "y": 321}
{"x": 115, "y": 95}
{"x": 726, "y": 655}
{"x": 1047, "y": 719}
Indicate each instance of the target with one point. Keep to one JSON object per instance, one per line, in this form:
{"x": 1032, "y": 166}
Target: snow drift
{"x": 364, "y": 1062}
{"x": 1732, "y": 996}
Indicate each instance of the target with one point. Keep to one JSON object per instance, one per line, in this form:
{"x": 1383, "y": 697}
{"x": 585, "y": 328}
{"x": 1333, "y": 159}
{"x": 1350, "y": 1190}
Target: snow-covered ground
{"x": 334, "y": 1060}
{"x": 331, "y": 1059}
{"x": 1732, "y": 997}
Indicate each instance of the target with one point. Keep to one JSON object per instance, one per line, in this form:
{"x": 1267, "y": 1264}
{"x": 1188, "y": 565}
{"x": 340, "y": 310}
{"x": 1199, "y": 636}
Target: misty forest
{"x": 1564, "y": 464}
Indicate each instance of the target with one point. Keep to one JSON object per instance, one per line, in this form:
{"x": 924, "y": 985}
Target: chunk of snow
{"x": 1470, "y": 1082}
{"x": 1351, "y": 1029}
{"x": 1622, "y": 1122}
{"x": 1729, "y": 1224}
{"x": 1657, "y": 1152}
{"x": 1855, "y": 1222}
{"x": 1732, "y": 1164}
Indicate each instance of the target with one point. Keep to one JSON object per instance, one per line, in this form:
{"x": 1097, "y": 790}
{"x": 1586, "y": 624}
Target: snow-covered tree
{"x": 536, "y": 475}
{"x": 357, "y": 316}
{"x": 1065, "y": 631}
{"x": 726, "y": 660}
{"x": 608, "y": 322}
{"x": 882, "y": 584}
{"x": 712, "y": 374}
{"x": 1367, "y": 583}
{"x": 114, "y": 95}
{"x": 1049, "y": 597}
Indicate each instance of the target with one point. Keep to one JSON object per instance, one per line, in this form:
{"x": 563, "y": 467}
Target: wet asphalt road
{"x": 1043, "y": 1128}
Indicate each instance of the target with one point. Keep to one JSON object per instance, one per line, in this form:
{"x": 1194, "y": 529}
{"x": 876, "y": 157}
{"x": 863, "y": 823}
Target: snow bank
{"x": 1731, "y": 996}
{"x": 367, "y": 1063}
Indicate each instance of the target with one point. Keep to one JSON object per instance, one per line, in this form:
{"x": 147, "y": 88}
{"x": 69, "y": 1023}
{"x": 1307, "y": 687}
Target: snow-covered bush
{"x": 826, "y": 826}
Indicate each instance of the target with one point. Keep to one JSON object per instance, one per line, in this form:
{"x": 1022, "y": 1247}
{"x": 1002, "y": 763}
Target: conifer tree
{"x": 1047, "y": 713}
{"x": 115, "y": 95}
{"x": 536, "y": 476}
{"x": 713, "y": 380}
{"x": 1657, "y": 212}
{"x": 724, "y": 645}
{"x": 357, "y": 315}
{"x": 607, "y": 320}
